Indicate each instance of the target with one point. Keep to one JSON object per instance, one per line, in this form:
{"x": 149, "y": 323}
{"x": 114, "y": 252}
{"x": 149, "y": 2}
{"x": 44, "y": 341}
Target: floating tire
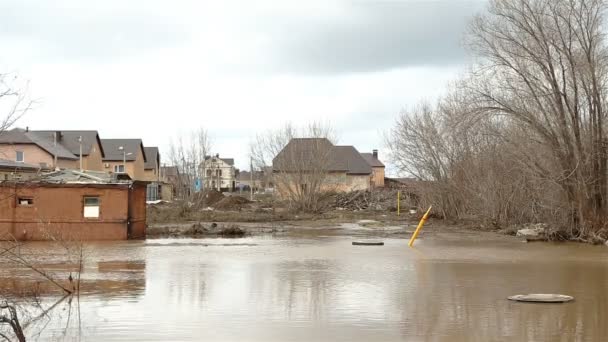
{"x": 368, "y": 243}
{"x": 542, "y": 298}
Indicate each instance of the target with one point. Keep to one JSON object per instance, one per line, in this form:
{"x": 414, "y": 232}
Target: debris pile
{"x": 368, "y": 200}
{"x": 212, "y": 197}
{"x": 232, "y": 231}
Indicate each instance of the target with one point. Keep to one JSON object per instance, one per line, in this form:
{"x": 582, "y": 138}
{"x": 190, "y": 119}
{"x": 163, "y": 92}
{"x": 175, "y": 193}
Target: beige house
{"x": 125, "y": 156}
{"x": 158, "y": 187}
{"x": 317, "y": 163}
{"x": 53, "y": 149}
{"x": 12, "y": 171}
{"x": 377, "y": 168}
{"x": 219, "y": 173}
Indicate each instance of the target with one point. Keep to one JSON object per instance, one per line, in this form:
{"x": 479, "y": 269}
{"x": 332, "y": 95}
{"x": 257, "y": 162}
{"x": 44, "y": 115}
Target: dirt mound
{"x": 231, "y": 203}
{"x": 208, "y": 198}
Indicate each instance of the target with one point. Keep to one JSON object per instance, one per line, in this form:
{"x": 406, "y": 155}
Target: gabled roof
{"x": 21, "y": 136}
{"x": 112, "y": 150}
{"x": 347, "y": 158}
{"x": 229, "y": 161}
{"x": 69, "y": 139}
{"x": 301, "y": 152}
{"x": 371, "y": 160}
{"x": 152, "y": 158}
{"x": 169, "y": 170}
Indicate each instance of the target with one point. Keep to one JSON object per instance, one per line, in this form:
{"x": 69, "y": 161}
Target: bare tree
{"x": 528, "y": 120}
{"x": 300, "y": 158}
{"x": 188, "y": 155}
{"x": 14, "y": 100}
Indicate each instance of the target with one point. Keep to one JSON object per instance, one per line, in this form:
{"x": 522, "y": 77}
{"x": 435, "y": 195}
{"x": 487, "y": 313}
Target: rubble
{"x": 367, "y": 200}
{"x": 533, "y": 232}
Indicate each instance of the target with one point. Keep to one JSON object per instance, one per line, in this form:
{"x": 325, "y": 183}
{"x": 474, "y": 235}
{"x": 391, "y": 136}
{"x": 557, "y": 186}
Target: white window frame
{"x": 17, "y": 157}
{"x": 90, "y": 210}
{"x": 118, "y": 167}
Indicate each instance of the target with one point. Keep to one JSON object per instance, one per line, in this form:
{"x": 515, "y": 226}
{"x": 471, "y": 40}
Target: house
{"x": 53, "y": 149}
{"x": 261, "y": 180}
{"x": 219, "y": 173}
{"x": 125, "y": 156}
{"x": 178, "y": 183}
{"x": 93, "y": 205}
{"x": 12, "y": 170}
{"x": 377, "y": 168}
{"x": 85, "y": 143}
{"x": 152, "y": 174}
{"x": 304, "y": 161}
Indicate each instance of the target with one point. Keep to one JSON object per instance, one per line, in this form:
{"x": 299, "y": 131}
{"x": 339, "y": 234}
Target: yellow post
{"x": 420, "y": 224}
{"x": 398, "y": 203}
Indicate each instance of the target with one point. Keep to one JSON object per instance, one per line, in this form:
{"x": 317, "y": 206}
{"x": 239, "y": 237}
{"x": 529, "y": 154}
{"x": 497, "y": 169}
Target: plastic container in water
{"x": 542, "y": 298}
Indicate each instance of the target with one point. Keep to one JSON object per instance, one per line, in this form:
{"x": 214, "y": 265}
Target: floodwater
{"x": 321, "y": 288}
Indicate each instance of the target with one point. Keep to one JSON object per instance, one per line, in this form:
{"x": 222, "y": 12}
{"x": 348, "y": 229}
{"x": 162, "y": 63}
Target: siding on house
{"x": 32, "y": 154}
{"x": 135, "y": 157}
{"x": 94, "y": 161}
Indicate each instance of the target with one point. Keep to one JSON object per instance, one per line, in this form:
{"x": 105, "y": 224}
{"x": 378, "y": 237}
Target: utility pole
{"x": 251, "y": 178}
{"x": 80, "y": 142}
{"x": 55, "y": 151}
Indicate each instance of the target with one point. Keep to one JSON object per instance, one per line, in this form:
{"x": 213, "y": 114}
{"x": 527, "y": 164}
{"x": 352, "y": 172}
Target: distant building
{"x": 179, "y": 183}
{"x": 125, "y": 156}
{"x": 377, "y": 168}
{"x": 152, "y": 174}
{"x": 345, "y": 168}
{"x": 43, "y": 148}
{"x": 261, "y": 180}
{"x": 73, "y": 205}
{"x": 219, "y": 173}
{"x": 11, "y": 170}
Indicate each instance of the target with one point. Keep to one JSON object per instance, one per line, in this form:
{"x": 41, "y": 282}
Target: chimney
{"x": 27, "y": 129}
{"x": 375, "y": 153}
{"x": 58, "y": 135}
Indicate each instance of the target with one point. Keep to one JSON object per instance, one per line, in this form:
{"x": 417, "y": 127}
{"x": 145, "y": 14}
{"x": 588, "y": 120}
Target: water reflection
{"x": 325, "y": 289}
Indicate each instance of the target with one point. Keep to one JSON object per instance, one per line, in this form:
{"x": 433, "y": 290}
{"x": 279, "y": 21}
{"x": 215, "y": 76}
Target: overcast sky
{"x": 154, "y": 69}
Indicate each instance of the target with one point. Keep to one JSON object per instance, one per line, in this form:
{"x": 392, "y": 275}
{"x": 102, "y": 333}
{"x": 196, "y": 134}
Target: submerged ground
{"x": 312, "y": 284}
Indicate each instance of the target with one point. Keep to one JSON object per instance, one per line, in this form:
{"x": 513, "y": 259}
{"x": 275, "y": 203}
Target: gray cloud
{"x": 372, "y": 36}
{"x": 61, "y": 30}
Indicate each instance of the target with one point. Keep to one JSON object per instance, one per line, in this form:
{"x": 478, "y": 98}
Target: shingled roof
{"x": 69, "y": 139}
{"x": 21, "y": 136}
{"x": 301, "y": 152}
{"x": 152, "y": 158}
{"x": 229, "y": 161}
{"x": 131, "y": 147}
{"x": 371, "y": 160}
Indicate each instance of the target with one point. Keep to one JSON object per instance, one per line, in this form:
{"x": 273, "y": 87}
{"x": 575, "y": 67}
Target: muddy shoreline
{"x": 324, "y": 227}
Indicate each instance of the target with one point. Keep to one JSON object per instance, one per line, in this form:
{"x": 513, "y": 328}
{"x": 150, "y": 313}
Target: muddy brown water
{"x": 322, "y": 288}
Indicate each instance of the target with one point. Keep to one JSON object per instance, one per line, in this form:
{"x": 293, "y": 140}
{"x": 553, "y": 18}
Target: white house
{"x": 219, "y": 173}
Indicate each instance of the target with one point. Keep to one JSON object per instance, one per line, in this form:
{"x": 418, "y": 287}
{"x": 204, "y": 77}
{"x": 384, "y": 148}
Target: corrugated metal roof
{"x": 112, "y": 150}
{"x": 83, "y": 177}
{"x": 373, "y": 162}
{"x": 11, "y": 164}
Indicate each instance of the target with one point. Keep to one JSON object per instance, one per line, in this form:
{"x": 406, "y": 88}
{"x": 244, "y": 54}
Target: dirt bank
{"x": 325, "y": 227}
